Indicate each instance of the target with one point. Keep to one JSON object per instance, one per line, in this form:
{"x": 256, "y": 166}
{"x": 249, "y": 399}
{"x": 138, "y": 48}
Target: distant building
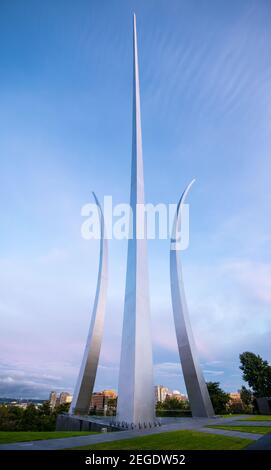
{"x": 53, "y": 399}
{"x": 161, "y": 393}
{"x": 99, "y": 400}
{"x": 178, "y": 395}
{"x": 235, "y": 397}
{"x": 24, "y": 405}
{"x": 65, "y": 397}
{"x": 110, "y": 394}
{"x": 235, "y": 402}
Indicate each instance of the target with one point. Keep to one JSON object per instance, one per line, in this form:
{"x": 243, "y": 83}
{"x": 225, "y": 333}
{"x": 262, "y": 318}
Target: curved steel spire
{"x": 85, "y": 382}
{"x": 195, "y": 384}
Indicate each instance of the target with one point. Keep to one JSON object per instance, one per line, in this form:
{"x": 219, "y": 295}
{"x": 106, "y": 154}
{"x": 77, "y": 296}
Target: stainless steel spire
{"x": 85, "y": 382}
{"x": 136, "y": 393}
{"x": 197, "y": 391}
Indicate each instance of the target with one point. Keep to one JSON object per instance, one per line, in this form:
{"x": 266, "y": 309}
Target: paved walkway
{"x": 252, "y": 423}
{"x": 264, "y": 443}
{"x": 193, "y": 424}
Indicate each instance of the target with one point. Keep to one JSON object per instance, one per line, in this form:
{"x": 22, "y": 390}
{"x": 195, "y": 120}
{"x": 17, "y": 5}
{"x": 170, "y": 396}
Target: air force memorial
{"x": 135, "y": 407}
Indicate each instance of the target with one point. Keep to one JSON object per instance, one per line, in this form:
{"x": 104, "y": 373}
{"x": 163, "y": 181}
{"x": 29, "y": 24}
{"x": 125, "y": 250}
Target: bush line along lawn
{"x": 26, "y": 436}
{"x": 175, "y": 440}
{"x": 251, "y": 429}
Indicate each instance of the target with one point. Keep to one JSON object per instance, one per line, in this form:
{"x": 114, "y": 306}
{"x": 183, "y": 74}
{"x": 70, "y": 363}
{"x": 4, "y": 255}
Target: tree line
{"x": 31, "y": 418}
{"x": 256, "y": 372}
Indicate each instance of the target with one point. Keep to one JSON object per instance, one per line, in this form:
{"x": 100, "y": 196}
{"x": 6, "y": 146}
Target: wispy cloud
{"x": 213, "y": 372}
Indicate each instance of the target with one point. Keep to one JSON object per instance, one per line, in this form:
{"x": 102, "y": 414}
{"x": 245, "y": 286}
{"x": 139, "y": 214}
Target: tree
{"x": 173, "y": 407}
{"x": 45, "y": 409}
{"x": 32, "y": 418}
{"x": 219, "y": 398}
{"x": 257, "y": 373}
{"x": 173, "y": 403}
{"x": 112, "y": 402}
{"x": 63, "y": 408}
{"x": 246, "y": 396}
{"x": 111, "y": 406}
{"x": 10, "y": 416}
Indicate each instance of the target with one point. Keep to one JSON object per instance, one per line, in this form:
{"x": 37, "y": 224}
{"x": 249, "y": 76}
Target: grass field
{"x": 258, "y": 418}
{"x": 251, "y": 429}
{"x": 10, "y": 437}
{"x": 230, "y": 415}
{"x": 176, "y": 440}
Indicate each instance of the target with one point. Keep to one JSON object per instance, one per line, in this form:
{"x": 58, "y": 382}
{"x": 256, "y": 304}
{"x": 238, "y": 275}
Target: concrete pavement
{"x": 172, "y": 424}
{"x": 264, "y": 443}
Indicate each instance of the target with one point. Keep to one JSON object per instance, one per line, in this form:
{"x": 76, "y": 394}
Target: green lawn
{"x": 176, "y": 440}
{"x": 25, "y": 436}
{"x": 258, "y": 418}
{"x": 231, "y": 415}
{"x": 251, "y": 429}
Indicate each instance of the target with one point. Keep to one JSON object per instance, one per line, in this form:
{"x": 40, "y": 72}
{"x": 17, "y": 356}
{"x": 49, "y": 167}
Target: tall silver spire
{"x": 197, "y": 391}
{"x": 136, "y": 393}
{"x": 86, "y": 378}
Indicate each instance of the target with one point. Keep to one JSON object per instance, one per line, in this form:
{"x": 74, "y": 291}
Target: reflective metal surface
{"x": 195, "y": 384}
{"x": 85, "y": 382}
{"x": 136, "y": 393}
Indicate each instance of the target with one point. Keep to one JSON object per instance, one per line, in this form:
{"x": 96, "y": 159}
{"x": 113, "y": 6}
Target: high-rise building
{"x": 65, "y": 397}
{"x": 53, "y": 399}
{"x": 161, "y": 393}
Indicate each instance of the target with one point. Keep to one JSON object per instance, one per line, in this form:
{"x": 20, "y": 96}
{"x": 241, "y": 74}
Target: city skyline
{"x": 206, "y": 114}
{"x": 166, "y": 391}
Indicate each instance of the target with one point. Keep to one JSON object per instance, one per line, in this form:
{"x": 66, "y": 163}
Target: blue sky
{"x": 65, "y": 129}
